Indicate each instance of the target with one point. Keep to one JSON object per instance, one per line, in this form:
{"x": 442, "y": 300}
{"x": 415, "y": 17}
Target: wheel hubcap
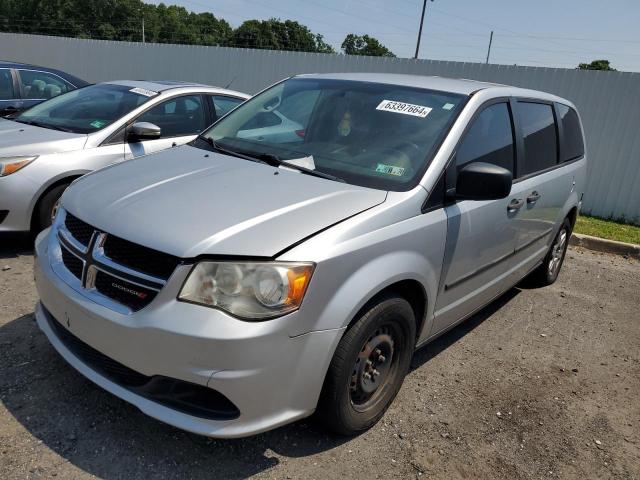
{"x": 557, "y": 251}
{"x": 372, "y": 367}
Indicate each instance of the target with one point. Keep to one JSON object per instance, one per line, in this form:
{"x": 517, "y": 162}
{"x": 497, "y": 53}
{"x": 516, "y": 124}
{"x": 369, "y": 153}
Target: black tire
{"x": 344, "y": 406}
{"x": 548, "y": 272}
{"x": 45, "y": 209}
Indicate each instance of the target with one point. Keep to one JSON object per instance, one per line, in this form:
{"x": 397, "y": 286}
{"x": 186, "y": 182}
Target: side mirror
{"x": 483, "y": 181}
{"x": 143, "y": 131}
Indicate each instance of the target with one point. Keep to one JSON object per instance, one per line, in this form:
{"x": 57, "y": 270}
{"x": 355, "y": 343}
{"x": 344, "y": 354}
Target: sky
{"x": 551, "y": 33}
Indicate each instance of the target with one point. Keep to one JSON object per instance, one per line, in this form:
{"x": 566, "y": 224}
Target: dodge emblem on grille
{"x": 122, "y": 288}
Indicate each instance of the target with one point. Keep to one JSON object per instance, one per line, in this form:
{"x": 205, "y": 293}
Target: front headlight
{"x": 249, "y": 290}
{"x": 9, "y": 165}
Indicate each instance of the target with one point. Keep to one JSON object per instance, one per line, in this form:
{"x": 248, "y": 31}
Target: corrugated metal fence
{"x": 609, "y": 102}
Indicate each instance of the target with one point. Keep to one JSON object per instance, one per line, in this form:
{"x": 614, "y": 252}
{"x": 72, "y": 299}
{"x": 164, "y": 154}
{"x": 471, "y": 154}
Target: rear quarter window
{"x": 573, "y": 143}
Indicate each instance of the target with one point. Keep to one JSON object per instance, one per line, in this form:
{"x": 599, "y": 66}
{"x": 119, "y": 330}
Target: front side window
{"x": 573, "y": 146}
{"x": 540, "y": 137}
{"x": 85, "y": 110}
{"x": 375, "y": 135}
{"x": 180, "y": 116}
{"x": 489, "y": 139}
{"x": 42, "y": 85}
{"x": 6, "y": 85}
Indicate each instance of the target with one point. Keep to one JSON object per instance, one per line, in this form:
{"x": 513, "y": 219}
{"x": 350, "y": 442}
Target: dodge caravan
{"x": 254, "y": 277}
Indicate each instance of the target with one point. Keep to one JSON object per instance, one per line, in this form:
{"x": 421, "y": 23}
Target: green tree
{"x": 275, "y": 34}
{"x": 365, "y": 45}
{"x": 122, "y": 20}
{"x": 597, "y": 65}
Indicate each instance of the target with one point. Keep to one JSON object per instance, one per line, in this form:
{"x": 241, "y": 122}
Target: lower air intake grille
{"x": 190, "y": 398}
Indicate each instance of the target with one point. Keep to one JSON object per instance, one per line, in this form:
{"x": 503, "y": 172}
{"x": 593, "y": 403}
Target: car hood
{"x": 188, "y": 202}
{"x": 21, "y": 139}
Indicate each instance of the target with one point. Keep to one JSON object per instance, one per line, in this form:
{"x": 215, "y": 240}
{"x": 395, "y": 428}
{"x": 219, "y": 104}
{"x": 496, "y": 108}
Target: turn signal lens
{"x": 13, "y": 164}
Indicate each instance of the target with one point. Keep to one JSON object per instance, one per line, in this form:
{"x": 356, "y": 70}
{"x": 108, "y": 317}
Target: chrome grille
{"x": 127, "y": 282}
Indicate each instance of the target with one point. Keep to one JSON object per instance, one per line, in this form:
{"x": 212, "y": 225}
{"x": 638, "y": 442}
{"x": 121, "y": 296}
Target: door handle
{"x": 533, "y": 198}
{"x": 10, "y": 110}
{"x": 515, "y": 205}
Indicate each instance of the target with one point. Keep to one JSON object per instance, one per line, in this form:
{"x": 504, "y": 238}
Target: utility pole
{"x": 424, "y": 7}
{"x": 143, "y": 28}
{"x": 489, "y": 49}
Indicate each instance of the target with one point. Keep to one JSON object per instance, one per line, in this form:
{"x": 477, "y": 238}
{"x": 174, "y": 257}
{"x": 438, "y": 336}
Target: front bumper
{"x": 17, "y": 195}
{"x": 270, "y": 377}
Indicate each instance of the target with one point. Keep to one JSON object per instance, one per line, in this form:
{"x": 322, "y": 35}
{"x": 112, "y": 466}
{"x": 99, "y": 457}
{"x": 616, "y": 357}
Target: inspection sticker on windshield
{"x": 390, "y": 170}
{"x": 143, "y": 91}
{"x": 404, "y": 108}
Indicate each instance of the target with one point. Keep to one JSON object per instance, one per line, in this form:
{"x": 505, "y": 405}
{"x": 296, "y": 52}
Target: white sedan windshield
{"x": 85, "y": 110}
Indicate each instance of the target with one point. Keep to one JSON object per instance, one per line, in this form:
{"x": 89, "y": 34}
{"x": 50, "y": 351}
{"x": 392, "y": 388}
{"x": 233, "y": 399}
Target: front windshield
{"x": 85, "y": 110}
{"x": 370, "y": 134}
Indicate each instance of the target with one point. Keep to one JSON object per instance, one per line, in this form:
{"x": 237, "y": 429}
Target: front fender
{"x": 354, "y": 271}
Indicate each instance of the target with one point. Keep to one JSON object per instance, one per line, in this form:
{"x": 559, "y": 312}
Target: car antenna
{"x": 232, "y": 80}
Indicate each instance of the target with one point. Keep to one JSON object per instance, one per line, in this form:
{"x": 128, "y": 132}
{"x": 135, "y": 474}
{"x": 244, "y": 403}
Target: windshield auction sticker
{"x": 404, "y": 108}
{"x": 143, "y": 91}
{"x": 390, "y": 170}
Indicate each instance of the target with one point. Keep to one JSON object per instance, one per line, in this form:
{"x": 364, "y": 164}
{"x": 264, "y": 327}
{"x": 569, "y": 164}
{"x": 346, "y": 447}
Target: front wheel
{"x": 368, "y": 367}
{"x": 47, "y": 208}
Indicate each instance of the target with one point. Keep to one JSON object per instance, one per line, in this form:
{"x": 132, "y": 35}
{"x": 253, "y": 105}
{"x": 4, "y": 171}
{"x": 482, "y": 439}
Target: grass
{"x": 610, "y": 229}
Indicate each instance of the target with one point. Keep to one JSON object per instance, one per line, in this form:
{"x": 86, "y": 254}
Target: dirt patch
{"x": 541, "y": 384}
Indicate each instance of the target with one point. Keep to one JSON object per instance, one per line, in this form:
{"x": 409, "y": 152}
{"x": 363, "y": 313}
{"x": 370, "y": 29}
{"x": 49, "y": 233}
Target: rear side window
{"x": 573, "y": 145}
{"x": 490, "y": 139}
{"x": 6, "y": 85}
{"x": 540, "y": 137}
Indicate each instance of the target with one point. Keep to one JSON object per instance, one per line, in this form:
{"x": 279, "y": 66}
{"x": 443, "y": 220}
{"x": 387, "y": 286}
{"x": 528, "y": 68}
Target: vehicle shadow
{"x": 15, "y": 244}
{"x": 108, "y": 438}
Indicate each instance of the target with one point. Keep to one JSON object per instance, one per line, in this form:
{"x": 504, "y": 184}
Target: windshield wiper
{"x": 275, "y": 161}
{"x": 44, "y": 125}
{"x": 268, "y": 159}
{"x": 216, "y": 147}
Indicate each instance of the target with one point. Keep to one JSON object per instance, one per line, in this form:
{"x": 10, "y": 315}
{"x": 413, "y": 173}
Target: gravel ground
{"x": 541, "y": 384}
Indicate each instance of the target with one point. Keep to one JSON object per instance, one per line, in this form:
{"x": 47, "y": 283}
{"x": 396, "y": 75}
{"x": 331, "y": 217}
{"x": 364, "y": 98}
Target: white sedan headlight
{"x": 249, "y": 290}
{"x": 9, "y": 165}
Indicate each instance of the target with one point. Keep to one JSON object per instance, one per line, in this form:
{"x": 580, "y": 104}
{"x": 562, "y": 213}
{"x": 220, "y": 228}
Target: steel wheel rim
{"x": 374, "y": 368}
{"x": 54, "y": 210}
{"x": 557, "y": 252}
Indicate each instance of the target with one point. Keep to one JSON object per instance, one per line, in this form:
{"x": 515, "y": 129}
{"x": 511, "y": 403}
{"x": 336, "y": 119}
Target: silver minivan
{"x": 252, "y": 277}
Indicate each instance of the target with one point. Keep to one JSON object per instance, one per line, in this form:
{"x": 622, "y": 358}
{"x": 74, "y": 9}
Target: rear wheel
{"x": 48, "y": 207}
{"x": 548, "y": 272}
{"x": 368, "y": 367}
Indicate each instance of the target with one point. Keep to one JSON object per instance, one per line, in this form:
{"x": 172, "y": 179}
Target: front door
{"x": 481, "y": 235}
{"x": 180, "y": 120}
